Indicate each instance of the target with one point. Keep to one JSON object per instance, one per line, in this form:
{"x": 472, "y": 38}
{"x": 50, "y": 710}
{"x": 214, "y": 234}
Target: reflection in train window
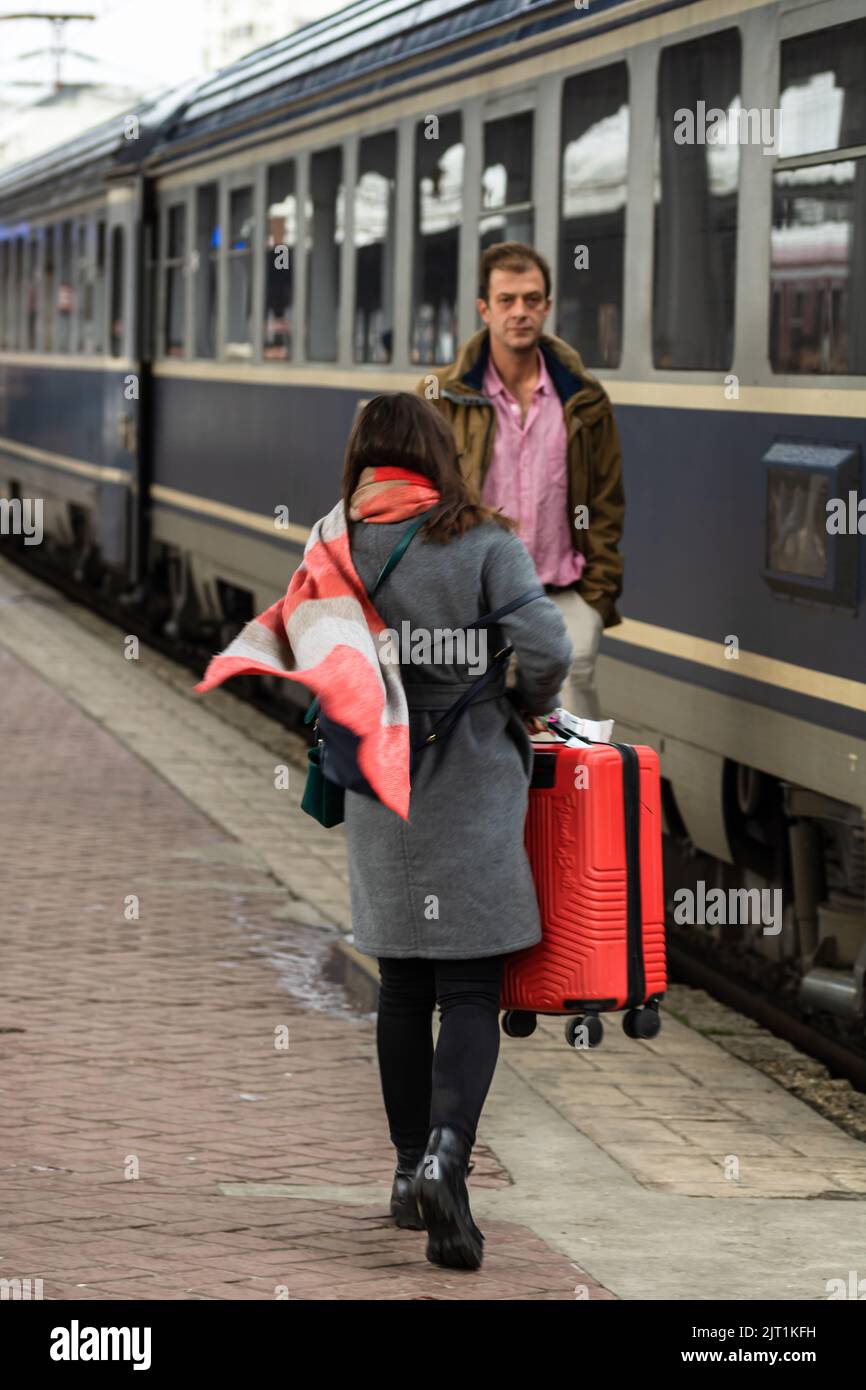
{"x": 118, "y": 298}
{"x": 592, "y": 213}
{"x": 239, "y": 327}
{"x": 439, "y": 156}
{"x": 13, "y": 292}
{"x": 696, "y": 171}
{"x": 32, "y": 310}
{"x": 48, "y": 290}
{"x": 174, "y": 328}
{"x": 374, "y": 210}
{"x": 506, "y": 181}
{"x": 84, "y": 290}
{"x": 207, "y": 244}
{"x": 324, "y": 241}
{"x": 818, "y": 243}
{"x": 99, "y": 289}
{"x": 64, "y": 289}
{"x": 797, "y": 522}
{"x": 281, "y": 234}
{"x": 4, "y": 293}
{"x": 18, "y": 289}
{"x": 818, "y": 268}
{"x": 823, "y": 91}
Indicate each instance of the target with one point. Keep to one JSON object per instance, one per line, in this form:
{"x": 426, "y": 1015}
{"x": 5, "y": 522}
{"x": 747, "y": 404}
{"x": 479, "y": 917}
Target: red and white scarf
{"x": 324, "y": 632}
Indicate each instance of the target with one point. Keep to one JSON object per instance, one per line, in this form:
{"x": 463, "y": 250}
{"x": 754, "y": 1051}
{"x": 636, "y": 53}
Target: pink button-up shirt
{"x": 528, "y": 479}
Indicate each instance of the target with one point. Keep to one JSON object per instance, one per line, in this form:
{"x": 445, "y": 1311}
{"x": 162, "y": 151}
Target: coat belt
{"x": 439, "y": 696}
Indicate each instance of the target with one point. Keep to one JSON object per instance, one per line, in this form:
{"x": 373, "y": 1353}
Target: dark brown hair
{"x": 510, "y": 255}
{"x": 401, "y": 430}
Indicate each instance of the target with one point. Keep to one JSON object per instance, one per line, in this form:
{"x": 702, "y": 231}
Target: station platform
{"x": 187, "y": 1046}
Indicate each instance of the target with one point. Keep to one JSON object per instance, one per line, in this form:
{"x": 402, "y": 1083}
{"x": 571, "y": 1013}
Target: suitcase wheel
{"x": 641, "y": 1023}
{"x": 518, "y": 1024}
{"x": 584, "y": 1030}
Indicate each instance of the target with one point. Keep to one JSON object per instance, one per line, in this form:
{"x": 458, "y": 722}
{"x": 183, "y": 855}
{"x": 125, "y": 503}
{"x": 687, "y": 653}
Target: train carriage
{"x": 302, "y": 231}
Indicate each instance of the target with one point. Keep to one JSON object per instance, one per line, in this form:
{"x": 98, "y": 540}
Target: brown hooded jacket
{"x": 593, "y": 452}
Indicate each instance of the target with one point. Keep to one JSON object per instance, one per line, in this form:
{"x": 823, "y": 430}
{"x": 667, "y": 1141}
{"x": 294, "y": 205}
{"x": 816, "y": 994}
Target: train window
{"x": 152, "y": 240}
{"x": 324, "y": 238}
{"x": 49, "y": 290}
{"x": 4, "y": 292}
{"x": 506, "y": 181}
{"x": 697, "y": 174}
{"x": 99, "y": 289}
{"x": 8, "y": 292}
{"x": 79, "y": 280}
{"x": 207, "y": 244}
{"x": 14, "y": 287}
{"x": 239, "y": 328}
{"x": 375, "y": 193}
{"x": 13, "y": 292}
{"x": 174, "y": 329}
{"x": 64, "y": 289}
{"x": 281, "y": 233}
{"x": 84, "y": 291}
{"x": 117, "y": 307}
{"x": 32, "y": 311}
{"x": 817, "y": 250}
{"x": 822, "y": 91}
{"x": 595, "y": 118}
{"x": 439, "y": 157}
{"x": 818, "y": 269}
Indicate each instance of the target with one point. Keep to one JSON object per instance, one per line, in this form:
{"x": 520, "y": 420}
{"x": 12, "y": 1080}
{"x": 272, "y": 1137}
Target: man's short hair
{"x": 510, "y": 255}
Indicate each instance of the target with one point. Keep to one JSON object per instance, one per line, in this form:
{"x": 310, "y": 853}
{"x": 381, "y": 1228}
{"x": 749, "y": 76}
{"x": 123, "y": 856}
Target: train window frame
{"x": 677, "y": 371}
{"x": 246, "y": 181}
{"x": 836, "y": 467}
{"x": 4, "y": 277}
{"x": 465, "y": 226}
{"x": 100, "y": 281}
{"x": 511, "y": 106}
{"x": 795, "y": 26}
{"x": 607, "y": 66}
{"x": 49, "y": 285}
{"x": 389, "y": 137}
{"x": 33, "y": 291}
{"x": 65, "y": 286}
{"x": 169, "y": 201}
{"x": 197, "y": 267}
{"x": 267, "y": 172}
{"x": 341, "y": 202}
{"x": 118, "y": 298}
{"x": 82, "y": 239}
{"x": 16, "y": 285}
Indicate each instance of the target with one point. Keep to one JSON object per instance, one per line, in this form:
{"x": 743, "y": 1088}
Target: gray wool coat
{"x": 455, "y": 880}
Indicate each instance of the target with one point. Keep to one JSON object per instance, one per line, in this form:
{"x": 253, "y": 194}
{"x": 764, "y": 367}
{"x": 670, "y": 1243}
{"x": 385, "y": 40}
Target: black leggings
{"x": 422, "y": 1089}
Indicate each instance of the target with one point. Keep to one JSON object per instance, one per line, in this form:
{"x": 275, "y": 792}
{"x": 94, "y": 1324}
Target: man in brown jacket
{"x": 536, "y": 438}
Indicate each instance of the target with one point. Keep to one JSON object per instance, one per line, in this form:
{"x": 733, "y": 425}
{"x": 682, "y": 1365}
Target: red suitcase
{"x": 594, "y": 840}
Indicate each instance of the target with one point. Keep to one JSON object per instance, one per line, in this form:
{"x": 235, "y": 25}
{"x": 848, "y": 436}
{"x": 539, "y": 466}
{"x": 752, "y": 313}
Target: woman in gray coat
{"x": 441, "y": 900}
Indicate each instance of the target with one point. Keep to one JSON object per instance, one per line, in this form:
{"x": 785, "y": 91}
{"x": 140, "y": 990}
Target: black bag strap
{"x": 490, "y": 618}
{"x": 443, "y": 726}
{"x": 391, "y": 563}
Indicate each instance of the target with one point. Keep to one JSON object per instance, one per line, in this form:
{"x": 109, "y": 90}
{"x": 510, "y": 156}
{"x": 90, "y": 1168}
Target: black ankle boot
{"x": 439, "y": 1188}
{"x": 403, "y": 1206}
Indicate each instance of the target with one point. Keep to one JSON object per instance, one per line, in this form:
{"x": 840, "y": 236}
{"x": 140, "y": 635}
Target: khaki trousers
{"x": 584, "y": 625}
